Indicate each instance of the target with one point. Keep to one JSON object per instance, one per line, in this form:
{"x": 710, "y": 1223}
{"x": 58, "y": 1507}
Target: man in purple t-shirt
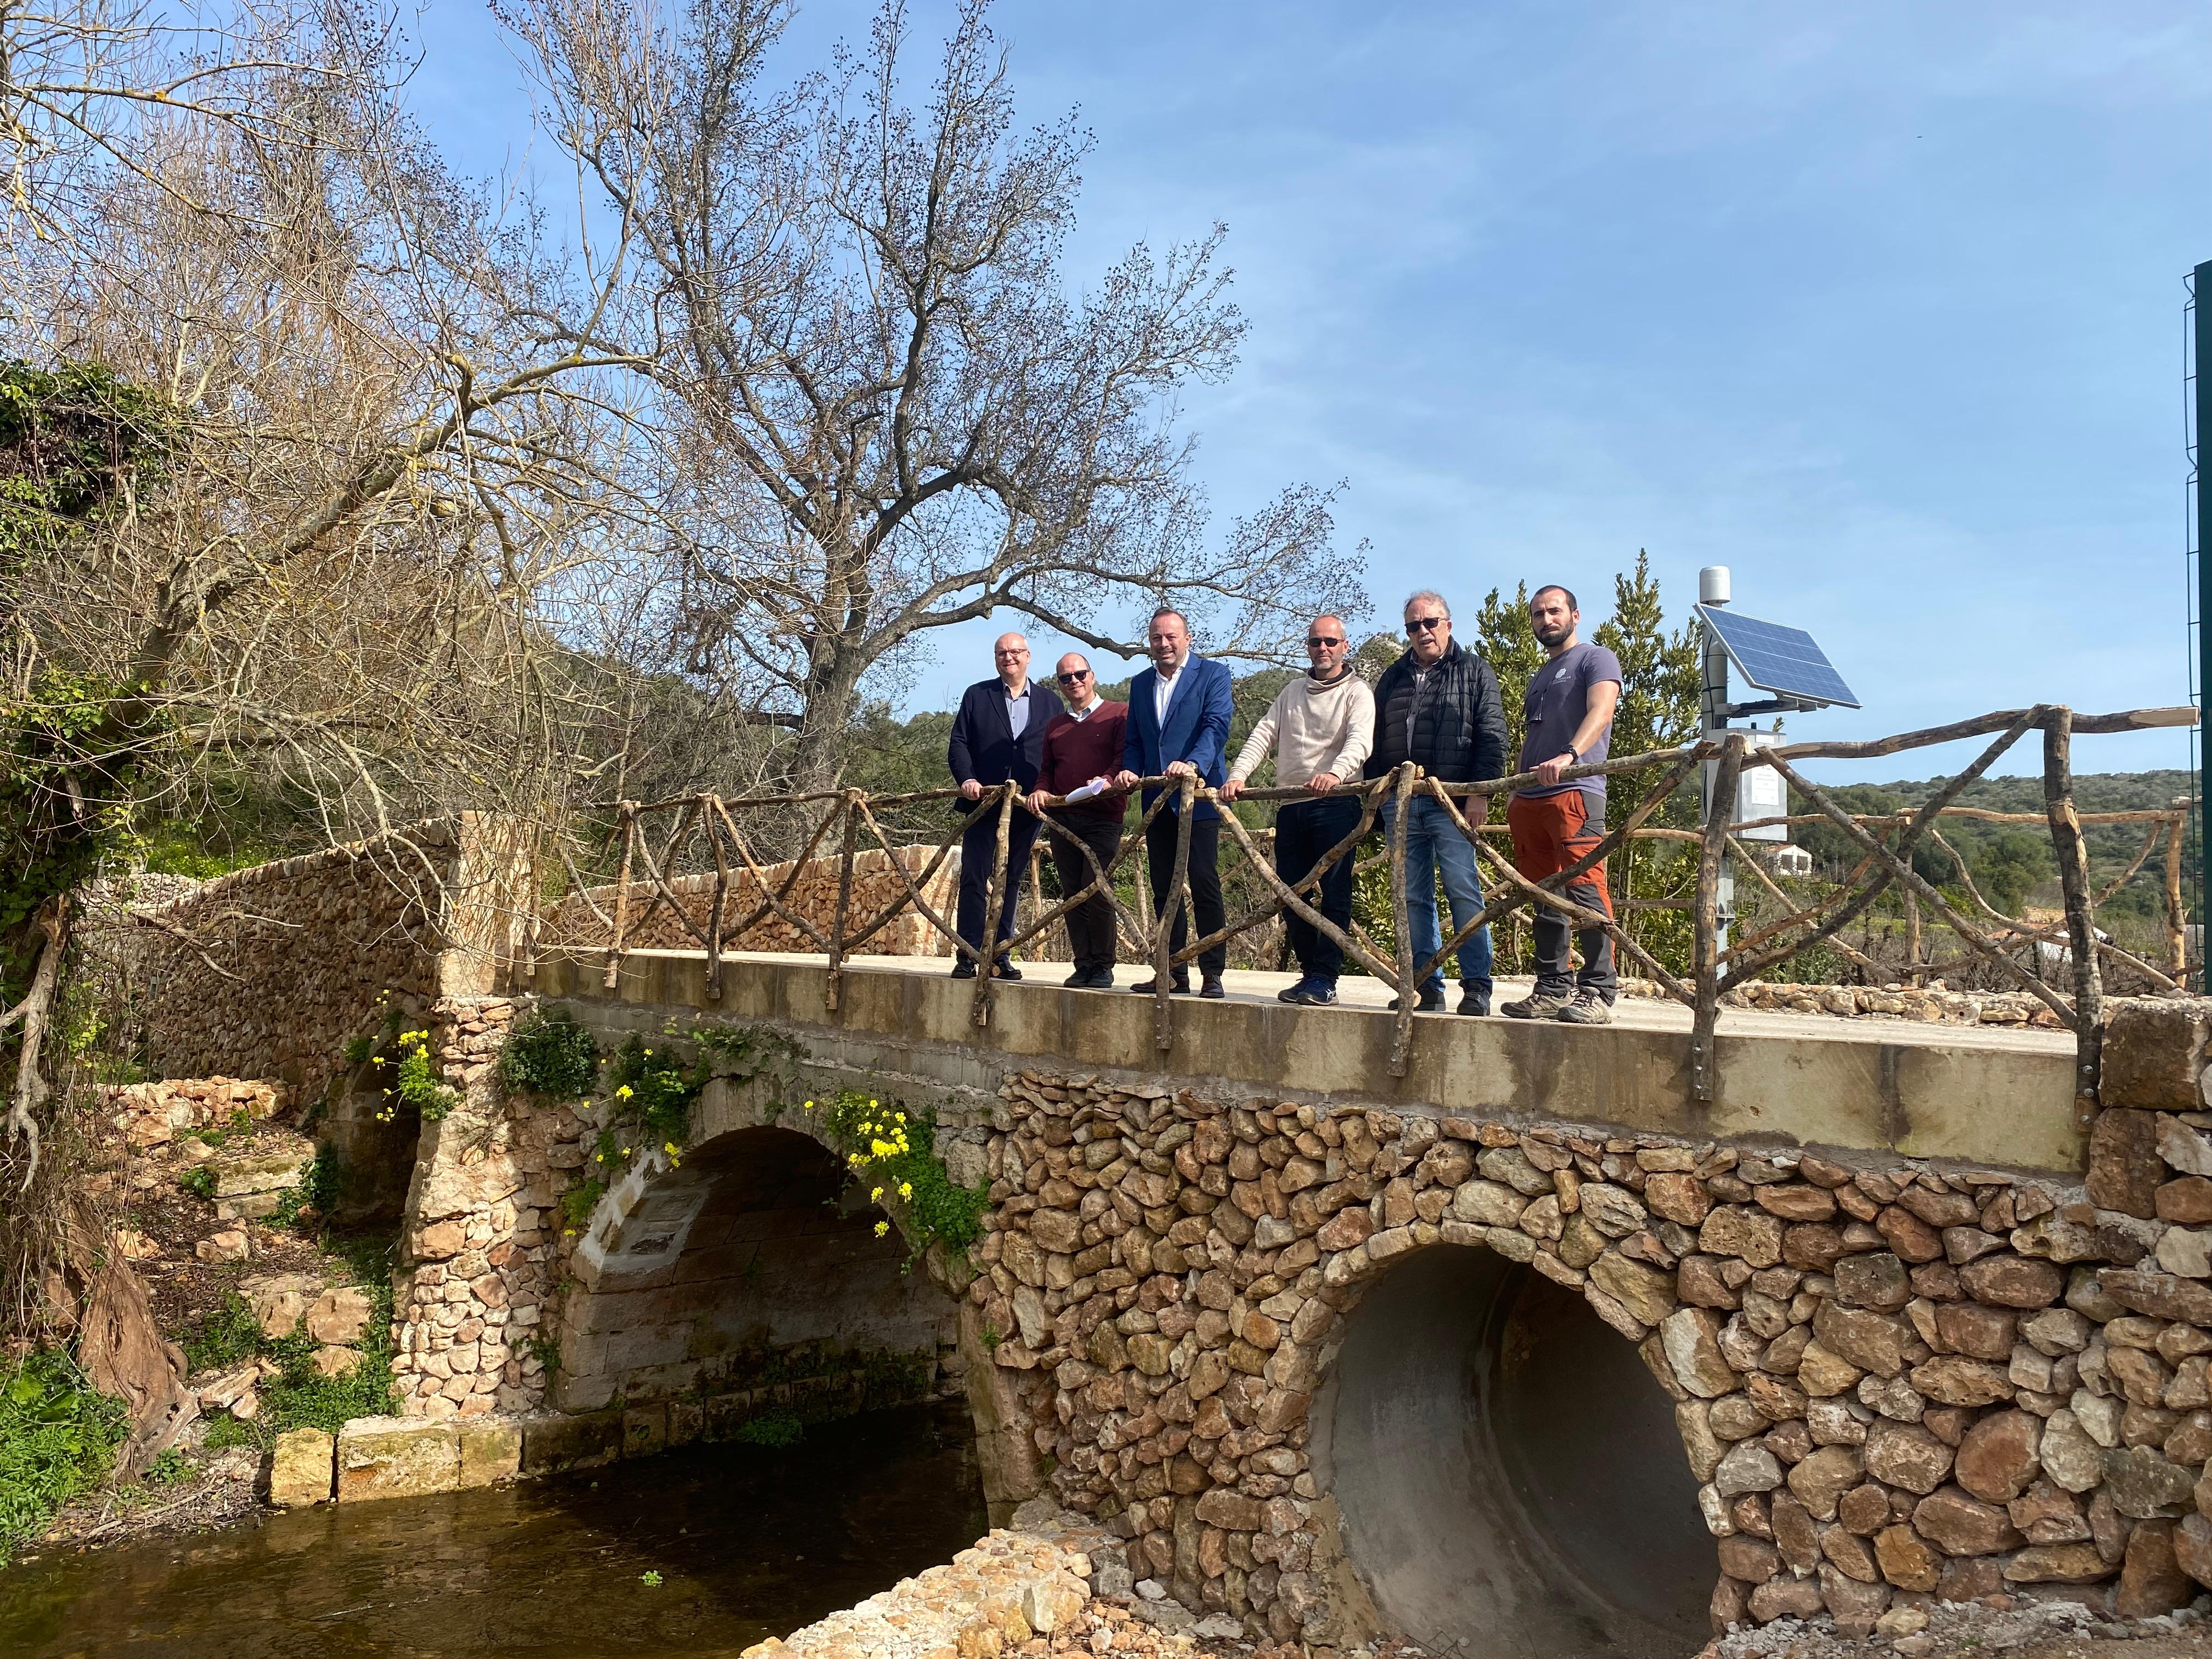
{"x": 1569, "y": 709}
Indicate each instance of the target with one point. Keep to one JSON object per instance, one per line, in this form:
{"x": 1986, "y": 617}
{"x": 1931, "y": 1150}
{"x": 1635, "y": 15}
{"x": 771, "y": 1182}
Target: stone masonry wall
{"x": 1895, "y": 1383}
{"x": 307, "y": 945}
{"x": 876, "y": 884}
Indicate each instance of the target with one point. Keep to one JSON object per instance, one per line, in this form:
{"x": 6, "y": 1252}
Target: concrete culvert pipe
{"x": 1509, "y": 1472}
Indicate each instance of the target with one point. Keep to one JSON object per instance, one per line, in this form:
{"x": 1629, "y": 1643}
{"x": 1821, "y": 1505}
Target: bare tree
{"x": 300, "y": 493}
{"x": 890, "y": 413}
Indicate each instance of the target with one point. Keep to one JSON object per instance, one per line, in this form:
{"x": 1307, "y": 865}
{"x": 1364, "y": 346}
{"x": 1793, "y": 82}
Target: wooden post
{"x": 1703, "y": 1068}
{"x": 2081, "y": 914}
{"x": 1162, "y": 953}
{"x": 1402, "y": 1036}
{"x": 626, "y": 813}
{"x": 2176, "y": 935}
{"x": 1912, "y": 937}
{"x": 995, "y": 901}
{"x": 707, "y": 813}
{"x": 834, "y": 985}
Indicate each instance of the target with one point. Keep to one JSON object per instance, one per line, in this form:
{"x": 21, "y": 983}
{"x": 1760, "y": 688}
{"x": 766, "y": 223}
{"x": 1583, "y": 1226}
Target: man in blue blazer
{"x": 998, "y": 734}
{"x": 1179, "y": 713}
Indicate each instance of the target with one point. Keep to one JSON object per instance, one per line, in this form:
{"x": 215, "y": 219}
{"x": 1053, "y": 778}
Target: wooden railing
{"x": 704, "y": 834}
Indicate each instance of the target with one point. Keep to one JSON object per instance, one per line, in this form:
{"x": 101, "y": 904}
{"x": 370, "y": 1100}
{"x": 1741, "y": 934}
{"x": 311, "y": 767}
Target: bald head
{"x": 1072, "y": 673}
{"x": 1327, "y": 646}
{"x": 1011, "y": 655}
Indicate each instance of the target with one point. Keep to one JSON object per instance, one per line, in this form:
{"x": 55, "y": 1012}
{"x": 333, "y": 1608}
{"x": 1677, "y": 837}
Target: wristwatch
{"x": 1574, "y": 755}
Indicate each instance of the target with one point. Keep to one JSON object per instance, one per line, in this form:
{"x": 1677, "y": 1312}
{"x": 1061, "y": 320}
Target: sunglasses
{"x": 1076, "y": 678}
{"x": 1423, "y": 624}
{"x": 1315, "y": 641}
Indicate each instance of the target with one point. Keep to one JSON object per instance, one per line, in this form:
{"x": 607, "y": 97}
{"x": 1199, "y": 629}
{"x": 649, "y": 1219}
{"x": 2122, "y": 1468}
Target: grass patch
{"x": 779, "y": 1427}
{"x": 57, "y": 1440}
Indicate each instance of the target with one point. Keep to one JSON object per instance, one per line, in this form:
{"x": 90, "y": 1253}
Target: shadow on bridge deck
{"x": 1974, "y": 1094}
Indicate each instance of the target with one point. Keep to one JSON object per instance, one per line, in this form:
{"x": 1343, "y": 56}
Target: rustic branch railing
{"x": 1886, "y": 844}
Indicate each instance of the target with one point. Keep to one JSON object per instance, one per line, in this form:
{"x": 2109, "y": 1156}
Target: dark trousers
{"x": 1550, "y": 833}
{"x": 1303, "y": 831}
{"x": 1090, "y": 924}
{"x": 1205, "y": 878}
{"x": 979, "y": 847}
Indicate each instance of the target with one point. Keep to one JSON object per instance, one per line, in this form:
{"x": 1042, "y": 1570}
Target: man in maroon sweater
{"x": 1082, "y": 747}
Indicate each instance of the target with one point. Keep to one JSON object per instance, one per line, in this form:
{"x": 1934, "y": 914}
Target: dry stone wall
{"x": 270, "y": 970}
{"x": 876, "y": 884}
{"x": 1894, "y": 1384}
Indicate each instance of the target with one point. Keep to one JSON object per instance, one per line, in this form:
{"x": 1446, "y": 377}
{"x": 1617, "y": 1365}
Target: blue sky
{"x": 1878, "y": 304}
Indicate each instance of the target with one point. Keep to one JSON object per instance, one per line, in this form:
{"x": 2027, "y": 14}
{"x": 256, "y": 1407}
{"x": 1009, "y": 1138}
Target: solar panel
{"x": 1782, "y": 660}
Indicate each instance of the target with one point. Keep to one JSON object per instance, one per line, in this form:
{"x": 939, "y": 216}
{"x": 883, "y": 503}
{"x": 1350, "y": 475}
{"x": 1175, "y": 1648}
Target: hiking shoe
{"x": 1311, "y": 992}
{"x": 1588, "y": 1008}
{"x": 1539, "y": 1004}
{"x": 1431, "y": 1001}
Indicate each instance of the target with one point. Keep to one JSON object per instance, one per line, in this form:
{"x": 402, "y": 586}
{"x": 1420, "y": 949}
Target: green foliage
{"x": 650, "y": 1579}
{"x": 551, "y": 1055}
{"x": 167, "y": 1470}
{"x": 656, "y": 1090}
{"x": 779, "y": 1426}
{"x": 299, "y": 1396}
{"x": 358, "y": 1049}
{"x": 581, "y": 1200}
{"x": 893, "y": 1154}
{"x": 223, "y": 1338}
{"x": 417, "y": 1084}
{"x": 319, "y": 1188}
{"x": 58, "y": 1439}
{"x": 76, "y": 444}
{"x": 200, "y": 1182}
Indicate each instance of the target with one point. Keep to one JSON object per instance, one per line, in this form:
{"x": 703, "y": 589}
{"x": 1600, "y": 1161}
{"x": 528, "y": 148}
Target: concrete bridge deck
{"x": 2000, "y": 1096}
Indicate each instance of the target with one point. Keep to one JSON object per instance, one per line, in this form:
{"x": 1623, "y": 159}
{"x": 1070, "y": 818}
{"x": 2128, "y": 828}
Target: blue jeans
{"x": 1434, "y": 844}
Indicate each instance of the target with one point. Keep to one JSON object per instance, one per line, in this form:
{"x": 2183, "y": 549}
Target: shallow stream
{"x": 749, "y": 1542}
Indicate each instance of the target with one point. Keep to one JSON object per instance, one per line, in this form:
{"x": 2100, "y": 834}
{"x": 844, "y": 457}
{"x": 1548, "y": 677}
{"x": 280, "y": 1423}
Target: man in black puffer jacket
{"x": 1437, "y": 706}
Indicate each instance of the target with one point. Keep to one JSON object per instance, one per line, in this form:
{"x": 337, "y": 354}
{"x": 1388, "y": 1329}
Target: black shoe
{"x": 1102, "y": 979}
{"x": 1311, "y": 993}
{"x": 1431, "y": 1001}
{"x": 1211, "y": 988}
{"x": 1180, "y": 985}
{"x": 1474, "y": 1002}
{"x": 963, "y": 968}
{"x": 1080, "y": 980}
{"x": 1005, "y": 970}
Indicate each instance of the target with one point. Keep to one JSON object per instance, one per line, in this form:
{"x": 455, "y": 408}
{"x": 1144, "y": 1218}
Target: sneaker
{"x": 1588, "y": 1008}
{"x": 1295, "y": 993}
{"x": 1102, "y": 979}
{"x": 1080, "y": 980}
{"x": 1431, "y": 1001}
{"x": 1180, "y": 985}
{"x": 1474, "y": 1002}
{"x": 1311, "y": 993}
{"x": 1539, "y": 1004}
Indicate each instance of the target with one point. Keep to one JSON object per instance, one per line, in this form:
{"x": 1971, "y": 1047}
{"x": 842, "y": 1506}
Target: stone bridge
{"x": 1535, "y": 1339}
{"x": 1527, "y": 1339}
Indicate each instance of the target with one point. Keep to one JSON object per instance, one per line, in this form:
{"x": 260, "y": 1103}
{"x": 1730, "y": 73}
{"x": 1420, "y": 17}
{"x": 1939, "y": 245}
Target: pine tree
{"x": 1660, "y": 679}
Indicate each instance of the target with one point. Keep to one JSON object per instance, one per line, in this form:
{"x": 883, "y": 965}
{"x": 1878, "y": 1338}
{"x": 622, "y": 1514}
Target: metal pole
{"x": 2202, "y": 358}
{"x": 1713, "y": 723}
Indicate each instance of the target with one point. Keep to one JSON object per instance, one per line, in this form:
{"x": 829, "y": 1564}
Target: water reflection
{"x": 749, "y": 1541}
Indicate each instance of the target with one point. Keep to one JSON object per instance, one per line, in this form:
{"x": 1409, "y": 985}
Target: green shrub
{"x": 318, "y": 1189}
{"x": 551, "y": 1055}
{"x": 58, "y": 1439}
{"x": 224, "y": 1337}
{"x": 200, "y": 1182}
{"x": 651, "y": 1086}
{"x": 893, "y": 1152}
{"x": 779, "y": 1427}
{"x": 418, "y": 1079}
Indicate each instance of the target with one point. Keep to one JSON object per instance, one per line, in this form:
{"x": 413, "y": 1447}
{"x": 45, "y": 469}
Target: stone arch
{"x": 1498, "y": 1456}
{"x": 748, "y": 1255}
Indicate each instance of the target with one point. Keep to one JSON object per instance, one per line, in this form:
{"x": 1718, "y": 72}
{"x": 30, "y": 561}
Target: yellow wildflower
{"x": 876, "y": 1196}
{"x": 906, "y": 1189}
{"x": 882, "y": 1227}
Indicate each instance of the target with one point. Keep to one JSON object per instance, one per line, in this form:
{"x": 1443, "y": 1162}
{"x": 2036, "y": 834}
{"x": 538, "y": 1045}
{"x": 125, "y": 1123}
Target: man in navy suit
{"x": 998, "y": 734}
{"x": 1179, "y": 713}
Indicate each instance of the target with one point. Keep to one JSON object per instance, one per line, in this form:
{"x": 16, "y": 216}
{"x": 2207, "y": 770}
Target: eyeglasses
{"x": 1076, "y": 678}
{"x": 1315, "y": 641}
{"x": 1423, "y": 624}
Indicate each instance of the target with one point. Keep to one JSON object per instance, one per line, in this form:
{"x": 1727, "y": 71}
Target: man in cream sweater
{"x": 1321, "y": 728}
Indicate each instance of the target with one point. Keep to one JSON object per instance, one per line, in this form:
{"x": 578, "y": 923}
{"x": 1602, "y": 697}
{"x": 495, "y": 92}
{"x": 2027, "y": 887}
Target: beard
{"x": 1551, "y": 633}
